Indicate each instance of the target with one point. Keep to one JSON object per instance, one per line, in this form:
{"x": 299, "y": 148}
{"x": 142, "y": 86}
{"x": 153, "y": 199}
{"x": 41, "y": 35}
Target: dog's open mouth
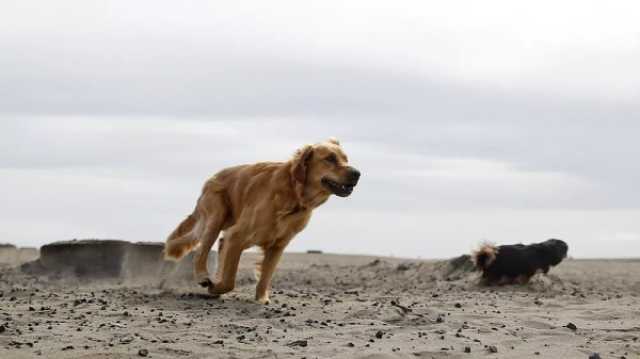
{"x": 339, "y": 189}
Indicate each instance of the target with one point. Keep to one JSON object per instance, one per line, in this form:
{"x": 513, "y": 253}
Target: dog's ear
{"x": 334, "y": 141}
{"x": 300, "y": 162}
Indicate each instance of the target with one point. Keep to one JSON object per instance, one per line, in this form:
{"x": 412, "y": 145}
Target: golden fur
{"x": 264, "y": 204}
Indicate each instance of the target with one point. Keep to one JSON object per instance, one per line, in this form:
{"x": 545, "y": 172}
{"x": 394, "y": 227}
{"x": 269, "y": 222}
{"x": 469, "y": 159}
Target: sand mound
{"x": 7, "y": 253}
{"x": 455, "y": 268}
{"x": 93, "y": 259}
{"x": 12, "y": 256}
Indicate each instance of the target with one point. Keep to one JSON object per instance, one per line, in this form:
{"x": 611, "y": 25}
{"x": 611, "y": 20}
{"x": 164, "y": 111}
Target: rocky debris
{"x": 572, "y": 326}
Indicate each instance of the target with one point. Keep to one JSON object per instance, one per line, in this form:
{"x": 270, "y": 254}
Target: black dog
{"x": 517, "y": 263}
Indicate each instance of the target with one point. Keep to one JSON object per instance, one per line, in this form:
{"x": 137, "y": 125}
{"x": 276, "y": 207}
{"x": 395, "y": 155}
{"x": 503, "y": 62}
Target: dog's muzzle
{"x": 346, "y": 188}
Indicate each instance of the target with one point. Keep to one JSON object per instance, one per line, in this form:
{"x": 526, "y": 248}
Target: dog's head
{"x": 553, "y": 250}
{"x": 324, "y": 168}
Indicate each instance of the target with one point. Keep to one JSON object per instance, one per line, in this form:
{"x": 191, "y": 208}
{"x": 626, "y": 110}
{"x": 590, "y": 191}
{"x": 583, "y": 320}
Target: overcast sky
{"x": 470, "y": 121}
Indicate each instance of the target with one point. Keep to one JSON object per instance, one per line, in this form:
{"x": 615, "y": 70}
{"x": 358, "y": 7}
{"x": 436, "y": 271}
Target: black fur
{"x": 517, "y": 263}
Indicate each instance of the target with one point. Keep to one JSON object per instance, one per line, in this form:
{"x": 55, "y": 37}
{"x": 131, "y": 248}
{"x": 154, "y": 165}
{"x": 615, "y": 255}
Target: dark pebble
{"x": 143, "y": 352}
{"x": 595, "y": 356}
{"x": 572, "y": 326}
{"x": 298, "y": 343}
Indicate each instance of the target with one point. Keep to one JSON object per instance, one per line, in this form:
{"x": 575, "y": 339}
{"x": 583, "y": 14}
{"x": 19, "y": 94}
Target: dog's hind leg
{"x": 213, "y": 213}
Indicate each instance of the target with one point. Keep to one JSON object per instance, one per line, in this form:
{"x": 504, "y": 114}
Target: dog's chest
{"x": 287, "y": 225}
{"x": 281, "y": 230}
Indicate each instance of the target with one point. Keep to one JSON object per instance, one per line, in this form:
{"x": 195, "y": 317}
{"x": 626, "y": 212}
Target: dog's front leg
{"x": 228, "y": 259}
{"x": 266, "y": 269}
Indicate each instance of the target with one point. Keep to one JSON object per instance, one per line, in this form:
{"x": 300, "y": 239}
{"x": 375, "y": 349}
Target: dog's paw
{"x": 263, "y": 301}
{"x": 263, "y": 298}
{"x": 215, "y": 294}
{"x": 206, "y": 283}
{"x": 203, "y": 280}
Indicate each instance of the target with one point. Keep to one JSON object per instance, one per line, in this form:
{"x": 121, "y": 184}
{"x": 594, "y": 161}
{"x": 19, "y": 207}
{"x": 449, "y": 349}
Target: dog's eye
{"x": 332, "y": 159}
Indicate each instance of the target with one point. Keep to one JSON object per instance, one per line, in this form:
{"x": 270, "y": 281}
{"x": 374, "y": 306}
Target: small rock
{"x": 572, "y": 326}
{"x": 379, "y": 334}
{"x": 458, "y": 305}
{"x": 126, "y": 339}
{"x": 492, "y": 349}
{"x": 595, "y": 356}
{"x": 298, "y": 343}
{"x": 403, "y": 267}
{"x": 143, "y": 352}
{"x": 467, "y": 349}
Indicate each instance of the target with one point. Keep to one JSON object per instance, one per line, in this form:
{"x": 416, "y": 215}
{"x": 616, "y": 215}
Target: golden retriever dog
{"x": 264, "y": 204}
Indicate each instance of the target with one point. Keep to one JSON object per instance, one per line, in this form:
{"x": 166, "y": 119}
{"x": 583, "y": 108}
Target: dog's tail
{"x": 181, "y": 241}
{"x": 484, "y": 256}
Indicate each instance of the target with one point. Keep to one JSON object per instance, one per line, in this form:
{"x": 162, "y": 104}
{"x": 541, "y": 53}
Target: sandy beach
{"x": 327, "y": 306}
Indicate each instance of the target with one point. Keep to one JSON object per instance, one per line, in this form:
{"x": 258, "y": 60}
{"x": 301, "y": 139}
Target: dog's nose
{"x": 354, "y": 175}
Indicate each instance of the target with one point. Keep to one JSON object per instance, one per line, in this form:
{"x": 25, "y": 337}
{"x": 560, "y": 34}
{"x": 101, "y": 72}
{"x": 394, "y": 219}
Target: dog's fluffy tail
{"x": 484, "y": 256}
{"x": 181, "y": 241}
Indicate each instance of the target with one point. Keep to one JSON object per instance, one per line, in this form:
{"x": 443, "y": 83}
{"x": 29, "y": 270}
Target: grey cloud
{"x": 94, "y": 108}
